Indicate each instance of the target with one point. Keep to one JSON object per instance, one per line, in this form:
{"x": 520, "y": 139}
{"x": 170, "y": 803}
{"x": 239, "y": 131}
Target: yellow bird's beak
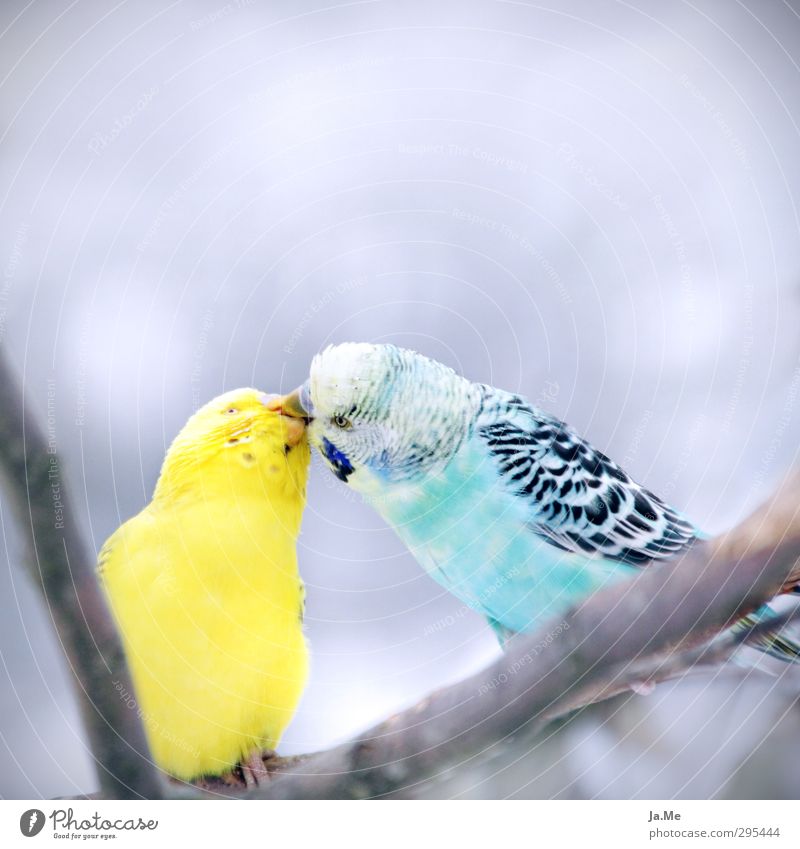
{"x": 291, "y": 405}
{"x": 295, "y": 422}
{"x": 296, "y": 404}
{"x": 295, "y": 428}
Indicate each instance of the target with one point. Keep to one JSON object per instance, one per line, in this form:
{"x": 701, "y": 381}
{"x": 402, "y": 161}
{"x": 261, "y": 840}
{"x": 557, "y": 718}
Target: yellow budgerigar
{"x": 204, "y": 587}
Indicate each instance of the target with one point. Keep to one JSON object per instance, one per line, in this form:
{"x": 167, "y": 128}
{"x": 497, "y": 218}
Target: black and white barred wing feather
{"x": 580, "y": 500}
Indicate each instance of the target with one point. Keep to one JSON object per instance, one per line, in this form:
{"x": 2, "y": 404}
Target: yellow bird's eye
{"x": 342, "y": 422}
{"x": 231, "y": 411}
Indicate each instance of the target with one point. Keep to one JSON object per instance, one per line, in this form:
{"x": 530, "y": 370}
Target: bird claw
{"x": 254, "y": 771}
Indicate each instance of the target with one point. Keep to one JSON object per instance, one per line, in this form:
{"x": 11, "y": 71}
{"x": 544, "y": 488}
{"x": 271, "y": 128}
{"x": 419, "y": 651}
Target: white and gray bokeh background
{"x": 593, "y": 203}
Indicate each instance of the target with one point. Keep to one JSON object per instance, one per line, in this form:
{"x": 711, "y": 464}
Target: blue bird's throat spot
{"x": 342, "y": 467}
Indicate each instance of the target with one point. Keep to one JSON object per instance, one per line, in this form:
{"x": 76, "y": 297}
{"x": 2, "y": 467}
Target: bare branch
{"x": 651, "y": 628}
{"x": 613, "y": 638}
{"x": 62, "y": 565}
{"x": 717, "y": 651}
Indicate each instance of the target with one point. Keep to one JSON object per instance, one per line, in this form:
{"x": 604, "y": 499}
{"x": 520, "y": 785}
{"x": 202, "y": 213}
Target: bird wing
{"x": 106, "y": 556}
{"x": 138, "y": 536}
{"x": 580, "y": 500}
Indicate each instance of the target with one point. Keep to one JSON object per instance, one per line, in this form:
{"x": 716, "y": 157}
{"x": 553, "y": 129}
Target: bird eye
{"x": 231, "y": 410}
{"x": 342, "y": 422}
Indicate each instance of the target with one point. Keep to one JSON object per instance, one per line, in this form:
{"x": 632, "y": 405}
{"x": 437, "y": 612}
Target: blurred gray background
{"x": 593, "y": 203}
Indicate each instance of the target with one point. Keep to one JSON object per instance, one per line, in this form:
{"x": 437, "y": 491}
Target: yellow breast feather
{"x": 205, "y": 589}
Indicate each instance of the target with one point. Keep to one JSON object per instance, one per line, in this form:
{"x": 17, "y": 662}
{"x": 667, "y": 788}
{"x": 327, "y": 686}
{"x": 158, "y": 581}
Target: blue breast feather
{"x": 528, "y": 519}
{"x": 473, "y": 537}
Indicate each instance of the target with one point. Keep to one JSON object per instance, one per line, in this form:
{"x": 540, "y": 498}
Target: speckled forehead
{"x": 238, "y": 398}
{"x": 233, "y": 397}
{"x": 349, "y": 377}
{"x": 335, "y": 395}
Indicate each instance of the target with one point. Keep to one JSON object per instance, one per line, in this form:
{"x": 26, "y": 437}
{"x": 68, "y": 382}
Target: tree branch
{"x": 651, "y": 628}
{"x": 618, "y": 636}
{"x": 63, "y": 566}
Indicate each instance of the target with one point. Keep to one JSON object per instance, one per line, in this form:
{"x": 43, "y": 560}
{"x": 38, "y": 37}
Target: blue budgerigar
{"x": 501, "y": 502}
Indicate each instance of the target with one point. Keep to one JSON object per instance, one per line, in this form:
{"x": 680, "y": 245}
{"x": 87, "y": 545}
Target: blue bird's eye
{"x": 342, "y": 422}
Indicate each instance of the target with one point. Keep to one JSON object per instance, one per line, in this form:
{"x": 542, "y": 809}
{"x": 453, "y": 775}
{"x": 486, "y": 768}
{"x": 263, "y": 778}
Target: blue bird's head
{"x": 380, "y": 415}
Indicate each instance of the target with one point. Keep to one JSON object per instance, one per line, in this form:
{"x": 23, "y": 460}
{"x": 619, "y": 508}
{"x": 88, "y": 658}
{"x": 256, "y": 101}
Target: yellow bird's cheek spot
{"x": 248, "y": 459}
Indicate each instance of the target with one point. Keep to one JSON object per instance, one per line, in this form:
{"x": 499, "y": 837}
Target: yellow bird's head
{"x": 236, "y": 443}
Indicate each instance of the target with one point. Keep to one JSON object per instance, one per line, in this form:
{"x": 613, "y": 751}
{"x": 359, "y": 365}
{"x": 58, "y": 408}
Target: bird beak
{"x": 295, "y": 424}
{"x": 295, "y": 429}
{"x": 296, "y": 404}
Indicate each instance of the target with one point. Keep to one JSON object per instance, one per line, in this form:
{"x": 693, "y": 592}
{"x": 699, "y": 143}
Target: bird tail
{"x": 770, "y": 641}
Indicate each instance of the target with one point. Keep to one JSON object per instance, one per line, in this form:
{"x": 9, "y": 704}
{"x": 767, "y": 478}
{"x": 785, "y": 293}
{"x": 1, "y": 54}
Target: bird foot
{"x": 254, "y": 771}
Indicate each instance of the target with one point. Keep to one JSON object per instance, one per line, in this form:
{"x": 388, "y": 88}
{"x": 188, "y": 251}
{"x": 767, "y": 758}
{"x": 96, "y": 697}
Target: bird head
{"x": 239, "y": 436}
{"x": 380, "y": 414}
